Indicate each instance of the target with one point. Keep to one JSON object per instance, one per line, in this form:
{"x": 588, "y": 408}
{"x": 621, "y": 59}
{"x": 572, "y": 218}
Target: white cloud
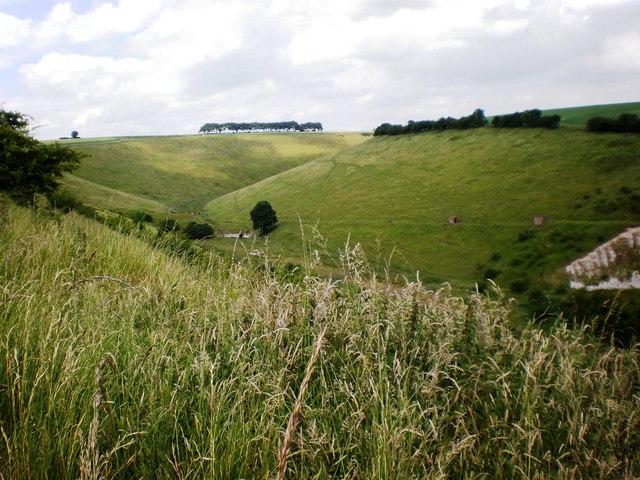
{"x": 163, "y": 66}
{"x": 509, "y": 26}
{"x": 82, "y": 77}
{"x": 83, "y": 119}
{"x": 104, "y": 21}
{"x": 588, "y": 4}
{"x": 14, "y": 30}
{"x": 193, "y": 31}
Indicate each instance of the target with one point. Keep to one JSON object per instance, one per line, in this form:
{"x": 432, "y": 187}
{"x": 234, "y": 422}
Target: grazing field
{"x": 109, "y": 198}
{"x": 395, "y": 196}
{"x": 183, "y": 173}
{"x": 119, "y": 360}
{"x": 579, "y": 116}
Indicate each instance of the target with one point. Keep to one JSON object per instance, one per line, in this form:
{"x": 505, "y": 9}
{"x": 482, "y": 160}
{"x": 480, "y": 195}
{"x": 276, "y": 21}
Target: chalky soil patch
{"x": 613, "y": 265}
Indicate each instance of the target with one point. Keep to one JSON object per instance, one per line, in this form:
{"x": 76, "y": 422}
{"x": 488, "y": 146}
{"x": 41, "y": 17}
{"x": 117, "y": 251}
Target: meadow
{"x": 182, "y": 173}
{"x": 579, "y": 116}
{"x": 121, "y": 359}
{"x": 395, "y": 195}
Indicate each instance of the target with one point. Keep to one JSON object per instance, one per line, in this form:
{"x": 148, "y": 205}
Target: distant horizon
{"x": 81, "y": 137}
{"x": 137, "y": 67}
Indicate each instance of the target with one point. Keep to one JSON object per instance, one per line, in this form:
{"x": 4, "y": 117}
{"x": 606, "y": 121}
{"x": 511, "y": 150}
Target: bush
{"x": 519, "y": 286}
{"x": 612, "y": 314}
{"x": 196, "y": 231}
{"x": 491, "y": 273}
{"x": 525, "y": 235}
{"x": 66, "y": 202}
{"x": 625, "y": 123}
{"x": 169, "y": 225}
{"x": 139, "y": 217}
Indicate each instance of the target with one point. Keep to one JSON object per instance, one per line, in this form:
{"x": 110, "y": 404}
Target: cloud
{"x": 193, "y": 31}
{"x": 14, "y": 30}
{"x": 167, "y": 66}
{"x": 104, "y": 21}
{"x": 81, "y": 77}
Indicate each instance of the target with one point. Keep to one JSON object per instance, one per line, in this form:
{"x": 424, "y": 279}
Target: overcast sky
{"x": 130, "y": 67}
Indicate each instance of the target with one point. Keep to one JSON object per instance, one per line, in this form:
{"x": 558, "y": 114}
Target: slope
{"x": 120, "y": 360}
{"x": 184, "y": 172}
{"x": 579, "y": 116}
{"x": 400, "y": 192}
{"x": 109, "y": 198}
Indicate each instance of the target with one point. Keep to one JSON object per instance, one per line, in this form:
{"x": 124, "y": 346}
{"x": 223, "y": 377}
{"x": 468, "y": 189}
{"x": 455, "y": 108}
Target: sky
{"x": 158, "y": 67}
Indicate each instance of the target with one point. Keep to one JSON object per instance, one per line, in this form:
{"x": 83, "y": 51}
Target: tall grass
{"x": 118, "y": 360}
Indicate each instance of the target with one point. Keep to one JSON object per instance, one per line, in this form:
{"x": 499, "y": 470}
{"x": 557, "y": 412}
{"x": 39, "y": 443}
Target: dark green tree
{"x": 28, "y": 166}
{"x": 263, "y": 217}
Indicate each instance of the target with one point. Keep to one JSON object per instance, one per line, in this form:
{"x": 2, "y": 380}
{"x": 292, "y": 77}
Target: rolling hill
{"x": 578, "y": 116}
{"x": 395, "y": 196}
{"x": 182, "y": 173}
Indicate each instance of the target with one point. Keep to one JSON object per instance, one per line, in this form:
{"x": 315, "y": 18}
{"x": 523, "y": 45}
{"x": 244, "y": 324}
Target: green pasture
{"x": 394, "y": 195}
{"x": 182, "y": 173}
{"x": 579, "y": 116}
{"x": 109, "y": 198}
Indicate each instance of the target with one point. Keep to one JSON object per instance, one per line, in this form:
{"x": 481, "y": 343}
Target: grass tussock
{"x": 118, "y": 360}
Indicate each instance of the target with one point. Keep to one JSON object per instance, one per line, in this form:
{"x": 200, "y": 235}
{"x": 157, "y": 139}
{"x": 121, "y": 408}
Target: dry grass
{"x": 296, "y": 415}
{"x": 190, "y": 369}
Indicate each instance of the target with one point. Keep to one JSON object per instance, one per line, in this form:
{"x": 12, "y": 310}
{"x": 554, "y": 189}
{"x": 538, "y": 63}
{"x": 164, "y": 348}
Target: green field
{"x": 316, "y": 352}
{"x": 579, "y": 116}
{"x": 182, "y": 173}
{"x": 392, "y": 195}
{"x": 397, "y": 194}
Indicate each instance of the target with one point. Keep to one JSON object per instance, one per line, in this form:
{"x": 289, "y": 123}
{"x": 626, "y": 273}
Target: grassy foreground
{"x": 120, "y": 361}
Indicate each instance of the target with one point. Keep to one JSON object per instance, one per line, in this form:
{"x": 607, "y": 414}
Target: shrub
{"x": 625, "y": 123}
{"x": 525, "y": 235}
{"x": 169, "y": 225}
{"x": 140, "y": 216}
{"x": 519, "y": 286}
{"x": 66, "y": 202}
{"x": 196, "y": 231}
{"x": 491, "y": 273}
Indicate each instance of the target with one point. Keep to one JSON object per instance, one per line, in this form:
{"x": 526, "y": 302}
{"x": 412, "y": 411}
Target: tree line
{"x": 475, "y": 120}
{"x": 527, "y": 119}
{"x": 625, "y": 123}
{"x": 255, "y": 127}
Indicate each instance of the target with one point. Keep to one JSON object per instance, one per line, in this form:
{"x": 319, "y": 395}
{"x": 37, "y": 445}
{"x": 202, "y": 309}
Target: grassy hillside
{"x": 400, "y": 192}
{"x": 120, "y": 361}
{"x": 109, "y": 198}
{"x": 578, "y": 116}
{"x": 184, "y": 172}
